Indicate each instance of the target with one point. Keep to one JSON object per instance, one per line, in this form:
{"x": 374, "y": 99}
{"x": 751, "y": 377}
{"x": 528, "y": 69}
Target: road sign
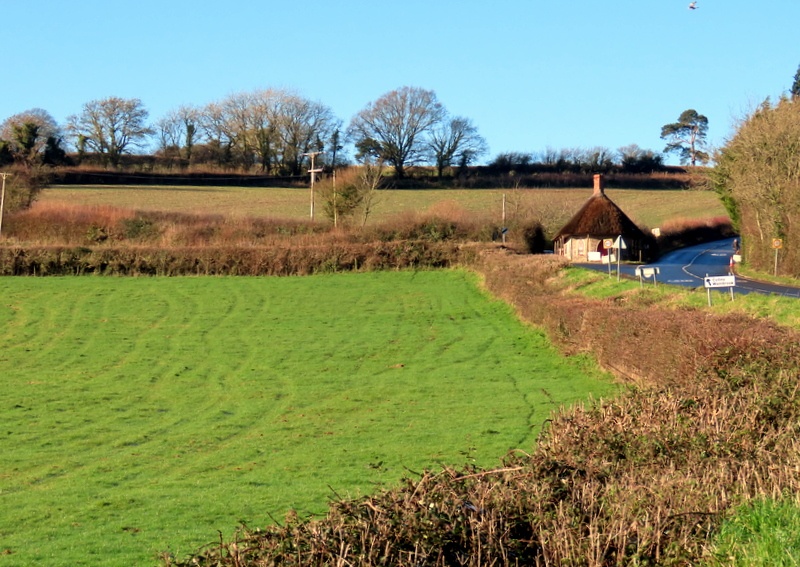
{"x": 777, "y": 243}
{"x": 608, "y": 243}
{"x": 720, "y": 281}
{"x": 647, "y": 272}
{"x": 620, "y": 244}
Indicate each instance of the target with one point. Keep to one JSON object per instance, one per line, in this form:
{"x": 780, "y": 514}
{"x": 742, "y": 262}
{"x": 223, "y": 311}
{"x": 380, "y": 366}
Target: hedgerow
{"x": 231, "y": 261}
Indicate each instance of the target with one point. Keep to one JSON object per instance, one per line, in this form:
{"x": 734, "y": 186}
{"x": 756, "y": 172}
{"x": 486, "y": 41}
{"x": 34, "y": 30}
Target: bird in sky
{"x": 693, "y": 5}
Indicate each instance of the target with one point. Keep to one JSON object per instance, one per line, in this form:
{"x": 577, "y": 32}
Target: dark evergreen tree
{"x": 686, "y": 137}
{"x": 795, "y": 92}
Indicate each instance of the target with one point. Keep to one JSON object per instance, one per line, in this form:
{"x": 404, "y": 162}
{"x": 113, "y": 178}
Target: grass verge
{"x": 763, "y": 533}
{"x": 597, "y": 285}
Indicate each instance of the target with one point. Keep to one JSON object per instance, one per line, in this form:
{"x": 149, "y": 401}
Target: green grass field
{"x": 648, "y": 207}
{"x": 140, "y": 415}
{"x": 764, "y": 533}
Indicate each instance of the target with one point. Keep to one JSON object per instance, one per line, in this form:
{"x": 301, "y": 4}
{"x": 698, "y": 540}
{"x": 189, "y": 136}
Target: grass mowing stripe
{"x": 141, "y": 415}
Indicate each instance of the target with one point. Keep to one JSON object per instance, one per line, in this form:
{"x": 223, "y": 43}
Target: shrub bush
{"x": 139, "y": 228}
{"x": 535, "y": 240}
{"x": 250, "y": 261}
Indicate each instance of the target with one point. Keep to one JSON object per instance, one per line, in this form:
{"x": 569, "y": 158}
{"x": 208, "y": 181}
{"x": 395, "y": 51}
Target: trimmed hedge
{"x": 229, "y": 261}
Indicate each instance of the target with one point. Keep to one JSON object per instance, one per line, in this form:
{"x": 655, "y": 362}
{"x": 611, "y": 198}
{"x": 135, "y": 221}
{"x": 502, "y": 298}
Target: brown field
{"x": 170, "y": 230}
{"x": 650, "y": 208}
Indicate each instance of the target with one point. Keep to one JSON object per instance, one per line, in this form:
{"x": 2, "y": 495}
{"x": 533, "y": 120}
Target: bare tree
{"x": 548, "y": 156}
{"x": 238, "y": 114}
{"x": 217, "y": 131}
{"x": 455, "y": 140}
{"x": 265, "y": 116}
{"x": 634, "y": 159}
{"x": 168, "y": 130}
{"x": 179, "y": 131}
{"x": 111, "y": 126}
{"x": 272, "y": 128}
{"x": 369, "y": 181}
{"x": 303, "y": 127}
{"x": 394, "y": 126}
{"x": 353, "y": 191}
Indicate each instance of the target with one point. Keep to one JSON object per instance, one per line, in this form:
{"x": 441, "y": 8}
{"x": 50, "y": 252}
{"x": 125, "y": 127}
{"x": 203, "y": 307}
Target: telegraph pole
{"x": 335, "y": 212}
{"x": 503, "y": 230}
{"x": 2, "y": 199}
{"x": 313, "y": 173}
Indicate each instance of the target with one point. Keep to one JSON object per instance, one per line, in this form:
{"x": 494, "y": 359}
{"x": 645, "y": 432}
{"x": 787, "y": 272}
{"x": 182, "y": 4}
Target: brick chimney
{"x": 599, "y": 184}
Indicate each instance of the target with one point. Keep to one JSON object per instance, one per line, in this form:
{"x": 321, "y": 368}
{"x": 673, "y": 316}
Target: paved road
{"x": 688, "y": 266}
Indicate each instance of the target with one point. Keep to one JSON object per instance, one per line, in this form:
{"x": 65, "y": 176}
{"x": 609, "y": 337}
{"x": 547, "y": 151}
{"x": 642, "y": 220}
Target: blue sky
{"x": 530, "y": 74}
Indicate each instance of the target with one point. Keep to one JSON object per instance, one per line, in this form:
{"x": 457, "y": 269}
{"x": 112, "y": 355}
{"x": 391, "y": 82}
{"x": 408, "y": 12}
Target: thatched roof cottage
{"x": 584, "y": 237}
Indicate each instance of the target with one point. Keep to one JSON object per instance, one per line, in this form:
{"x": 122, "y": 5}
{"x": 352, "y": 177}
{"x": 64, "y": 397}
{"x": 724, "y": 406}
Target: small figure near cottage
{"x": 736, "y": 249}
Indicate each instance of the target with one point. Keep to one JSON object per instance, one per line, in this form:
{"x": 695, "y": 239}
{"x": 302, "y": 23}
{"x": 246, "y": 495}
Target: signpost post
{"x": 647, "y": 272}
{"x": 777, "y": 244}
{"x": 718, "y": 281}
{"x": 608, "y": 244}
{"x": 619, "y": 246}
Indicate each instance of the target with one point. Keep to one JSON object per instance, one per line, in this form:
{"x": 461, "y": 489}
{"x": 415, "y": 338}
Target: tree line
{"x": 273, "y": 131}
{"x": 758, "y": 179}
{"x": 757, "y": 176}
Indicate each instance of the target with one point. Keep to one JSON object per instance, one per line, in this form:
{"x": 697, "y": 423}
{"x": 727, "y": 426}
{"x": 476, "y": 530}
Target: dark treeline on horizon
{"x": 276, "y": 132}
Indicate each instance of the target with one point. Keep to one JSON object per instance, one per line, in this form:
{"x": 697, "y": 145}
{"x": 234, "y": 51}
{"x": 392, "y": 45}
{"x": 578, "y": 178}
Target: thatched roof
{"x": 600, "y": 217}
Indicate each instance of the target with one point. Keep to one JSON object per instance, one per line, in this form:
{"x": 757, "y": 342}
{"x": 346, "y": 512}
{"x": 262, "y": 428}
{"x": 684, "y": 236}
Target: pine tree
{"x": 795, "y": 92}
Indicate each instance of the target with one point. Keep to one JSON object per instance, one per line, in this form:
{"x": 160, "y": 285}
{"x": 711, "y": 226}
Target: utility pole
{"x": 313, "y": 171}
{"x": 335, "y": 212}
{"x": 2, "y": 199}
{"x": 503, "y": 229}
